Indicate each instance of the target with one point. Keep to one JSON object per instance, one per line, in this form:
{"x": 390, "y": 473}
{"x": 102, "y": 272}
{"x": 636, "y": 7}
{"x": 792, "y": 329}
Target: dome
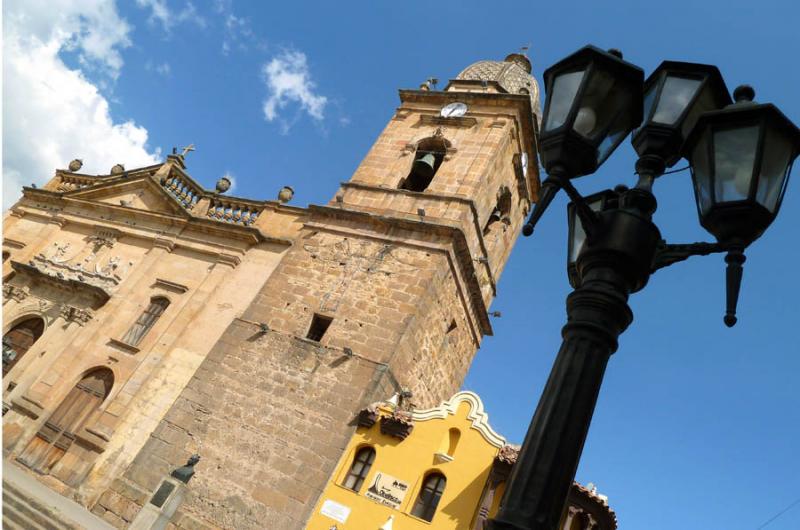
{"x": 513, "y": 74}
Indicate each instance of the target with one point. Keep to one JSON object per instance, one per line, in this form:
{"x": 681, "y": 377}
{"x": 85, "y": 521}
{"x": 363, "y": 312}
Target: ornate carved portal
{"x": 51, "y": 450}
{"x": 19, "y": 339}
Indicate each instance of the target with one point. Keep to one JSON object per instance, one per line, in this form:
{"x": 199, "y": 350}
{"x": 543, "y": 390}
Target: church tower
{"x": 385, "y": 289}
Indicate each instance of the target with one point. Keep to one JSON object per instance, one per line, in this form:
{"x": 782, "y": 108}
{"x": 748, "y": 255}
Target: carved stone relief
{"x": 92, "y": 264}
{"x": 14, "y": 292}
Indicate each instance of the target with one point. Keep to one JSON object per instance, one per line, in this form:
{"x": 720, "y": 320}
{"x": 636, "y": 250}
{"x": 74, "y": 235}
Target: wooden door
{"x": 57, "y": 434}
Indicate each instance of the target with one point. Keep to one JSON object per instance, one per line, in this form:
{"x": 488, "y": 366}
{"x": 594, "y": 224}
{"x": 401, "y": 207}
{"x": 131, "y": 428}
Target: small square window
{"x": 319, "y": 325}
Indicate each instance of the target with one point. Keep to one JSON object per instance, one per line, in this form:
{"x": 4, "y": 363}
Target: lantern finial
{"x": 744, "y": 93}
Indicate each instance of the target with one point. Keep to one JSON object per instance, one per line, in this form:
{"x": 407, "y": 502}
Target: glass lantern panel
{"x": 734, "y": 158}
{"x": 649, "y": 97}
{"x": 599, "y": 105}
{"x": 578, "y": 234}
{"x": 774, "y": 169}
{"x": 676, "y": 95}
{"x": 562, "y": 95}
{"x": 704, "y": 103}
{"x": 701, "y": 174}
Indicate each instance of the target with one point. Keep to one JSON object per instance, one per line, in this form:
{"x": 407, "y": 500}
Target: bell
{"x": 423, "y": 166}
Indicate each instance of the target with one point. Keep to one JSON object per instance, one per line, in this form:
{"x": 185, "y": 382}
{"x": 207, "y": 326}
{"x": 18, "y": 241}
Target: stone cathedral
{"x": 175, "y": 357}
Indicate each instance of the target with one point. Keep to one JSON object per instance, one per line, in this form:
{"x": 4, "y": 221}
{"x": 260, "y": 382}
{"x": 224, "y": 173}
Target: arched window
{"x": 57, "y": 434}
{"x": 429, "y": 156}
{"x": 501, "y": 212}
{"x": 146, "y": 320}
{"x": 19, "y": 339}
{"x": 429, "y": 496}
{"x": 359, "y": 469}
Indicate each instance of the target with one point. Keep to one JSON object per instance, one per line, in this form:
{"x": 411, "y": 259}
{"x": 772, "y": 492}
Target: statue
{"x": 184, "y": 473}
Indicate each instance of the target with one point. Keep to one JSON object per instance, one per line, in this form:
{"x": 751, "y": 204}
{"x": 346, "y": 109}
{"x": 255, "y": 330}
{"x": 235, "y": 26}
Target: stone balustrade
{"x": 74, "y": 182}
{"x": 232, "y": 211}
{"x": 183, "y": 190}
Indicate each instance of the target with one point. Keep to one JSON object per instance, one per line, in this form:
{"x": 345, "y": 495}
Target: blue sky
{"x": 697, "y": 425}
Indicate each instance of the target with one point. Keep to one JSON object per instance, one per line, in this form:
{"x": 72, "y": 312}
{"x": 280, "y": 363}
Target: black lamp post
{"x": 741, "y": 157}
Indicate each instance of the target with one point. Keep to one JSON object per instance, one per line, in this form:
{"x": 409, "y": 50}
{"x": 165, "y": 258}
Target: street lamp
{"x": 740, "y": 156}
{"x": 596, "y": 101}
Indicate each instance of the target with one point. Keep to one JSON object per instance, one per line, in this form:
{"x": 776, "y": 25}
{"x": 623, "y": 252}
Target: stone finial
{"x": 75, "y": 165}
{"x": 286, "y": 194}
{"x": 118, "y": 169}
{"x": 184, "y": 473}
{"x": 223, "y": 184}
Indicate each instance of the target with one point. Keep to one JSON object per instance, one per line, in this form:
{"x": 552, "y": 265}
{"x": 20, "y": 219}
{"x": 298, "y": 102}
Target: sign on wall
{"x": 387, "y": 490}
{"x": 334, "y": 510}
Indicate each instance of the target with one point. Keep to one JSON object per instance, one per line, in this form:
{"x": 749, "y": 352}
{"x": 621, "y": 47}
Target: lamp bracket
{"x": 669, "y": 253}
{"x": 588, "y": 217}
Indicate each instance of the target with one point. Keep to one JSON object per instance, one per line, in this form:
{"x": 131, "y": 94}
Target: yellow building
{"x": 440, "y": 468}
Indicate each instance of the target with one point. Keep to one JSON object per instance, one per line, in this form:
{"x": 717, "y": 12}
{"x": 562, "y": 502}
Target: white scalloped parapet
{"x": 478, "y": 416}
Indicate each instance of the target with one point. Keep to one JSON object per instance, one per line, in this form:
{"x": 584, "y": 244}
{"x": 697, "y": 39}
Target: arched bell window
{"x": 19, "y": 340}
{"x": 158, "y": 304}
{"x": 427, "y": 159}
{"x": 501, "y": 212}
{"x": 359, "y": 468}
{"x": 57, "y": 434}
{"x": 429, "y": 496}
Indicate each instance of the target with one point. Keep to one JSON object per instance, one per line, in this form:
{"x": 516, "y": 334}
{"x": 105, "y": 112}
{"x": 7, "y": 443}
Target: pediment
{"x": 138, "y": 194}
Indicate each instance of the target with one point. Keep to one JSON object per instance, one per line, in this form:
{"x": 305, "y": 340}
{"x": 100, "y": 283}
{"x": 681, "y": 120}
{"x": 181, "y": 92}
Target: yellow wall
{"x": 410, "y": 460}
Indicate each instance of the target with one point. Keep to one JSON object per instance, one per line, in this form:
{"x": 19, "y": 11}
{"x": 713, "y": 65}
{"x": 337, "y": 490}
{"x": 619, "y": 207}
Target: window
{"x": 360, "y": 468}
{"x": 501, "y": 212}
{"x": 146, "y": 321}
{"x": 429, "y": 496}
{"x": 19, "y": 340}
{"x": 319, "y": 325}
{"x": 429, "y": 156}
{"x": 6, "y": 255}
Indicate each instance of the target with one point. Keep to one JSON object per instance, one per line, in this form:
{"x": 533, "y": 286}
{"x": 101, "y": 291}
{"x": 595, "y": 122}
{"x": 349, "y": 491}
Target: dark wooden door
{"x": 57, "y": 434}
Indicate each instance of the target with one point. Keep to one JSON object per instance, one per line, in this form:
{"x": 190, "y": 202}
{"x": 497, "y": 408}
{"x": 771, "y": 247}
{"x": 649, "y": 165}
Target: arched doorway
{"x": 58, "y": 433}
{"x": 19, "y": 340}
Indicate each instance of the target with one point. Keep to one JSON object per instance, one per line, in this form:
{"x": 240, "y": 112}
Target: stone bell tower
{"x": 387, "y": 287}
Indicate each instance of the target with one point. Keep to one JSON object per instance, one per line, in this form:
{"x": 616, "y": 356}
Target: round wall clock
{"x": 453, "y": 110}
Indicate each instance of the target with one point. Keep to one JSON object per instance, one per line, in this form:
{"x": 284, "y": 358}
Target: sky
{"x": 697, "y": 425}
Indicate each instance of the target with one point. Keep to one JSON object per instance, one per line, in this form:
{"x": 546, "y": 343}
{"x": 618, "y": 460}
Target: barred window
{"x": 429, "y": 496}
{"x": 359, "y": 469}
{"x": 146, "y": 320}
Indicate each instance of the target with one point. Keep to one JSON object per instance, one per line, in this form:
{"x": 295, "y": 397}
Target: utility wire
{"x": 771, "y": 519}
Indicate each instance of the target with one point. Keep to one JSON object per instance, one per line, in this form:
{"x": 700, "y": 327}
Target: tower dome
{"x": 512, "y": 74}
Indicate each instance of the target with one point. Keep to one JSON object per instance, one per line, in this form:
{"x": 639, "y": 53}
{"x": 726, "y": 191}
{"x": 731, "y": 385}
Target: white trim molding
{"x": 479, "y": 417}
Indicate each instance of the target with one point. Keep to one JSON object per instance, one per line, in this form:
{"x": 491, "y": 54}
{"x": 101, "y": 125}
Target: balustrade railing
{"x": 182, "y": 190}
{"x": 72, "y": 183}
{"x": 231, "y": 211}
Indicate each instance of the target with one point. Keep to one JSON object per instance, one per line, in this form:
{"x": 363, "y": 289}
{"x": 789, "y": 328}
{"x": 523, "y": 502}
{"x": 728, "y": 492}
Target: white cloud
{"x": 161, "y": 12}
{"x": 163, "y": 69}
{"x": 238, "y": 34}
{"x": 51, "y": 113}
{"x": 288, "y": 80}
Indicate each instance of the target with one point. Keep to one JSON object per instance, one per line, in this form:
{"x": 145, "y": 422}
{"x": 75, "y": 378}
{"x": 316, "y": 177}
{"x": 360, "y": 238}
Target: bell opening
{"x": 429, "y": 157}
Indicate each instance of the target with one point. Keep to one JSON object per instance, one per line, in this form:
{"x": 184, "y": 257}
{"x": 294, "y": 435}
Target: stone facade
{"x": 283, "y": 322}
